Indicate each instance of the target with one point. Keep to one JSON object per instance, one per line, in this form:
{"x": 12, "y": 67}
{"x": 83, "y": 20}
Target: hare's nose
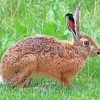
{"x": 98, "y": 52}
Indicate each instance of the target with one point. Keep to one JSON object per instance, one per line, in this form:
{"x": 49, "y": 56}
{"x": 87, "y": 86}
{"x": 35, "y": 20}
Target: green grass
{"x": 21, "y": 18}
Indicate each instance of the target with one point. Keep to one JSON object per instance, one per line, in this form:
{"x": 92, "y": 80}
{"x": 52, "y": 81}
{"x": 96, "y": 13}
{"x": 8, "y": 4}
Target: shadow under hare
{"x": 48, "y": 56}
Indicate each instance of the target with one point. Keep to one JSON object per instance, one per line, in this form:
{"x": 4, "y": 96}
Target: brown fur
{"x": 46, "y": 55}
{"x": 41, "y": 54}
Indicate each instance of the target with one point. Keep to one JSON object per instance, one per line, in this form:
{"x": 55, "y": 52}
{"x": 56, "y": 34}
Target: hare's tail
{"x": 1, "y": 77}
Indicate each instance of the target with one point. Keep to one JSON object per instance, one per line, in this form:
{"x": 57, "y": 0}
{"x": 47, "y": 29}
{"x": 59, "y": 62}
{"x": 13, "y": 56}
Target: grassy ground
{"x": 21, "y": 18}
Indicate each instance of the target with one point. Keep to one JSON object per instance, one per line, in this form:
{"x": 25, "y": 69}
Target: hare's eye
{"x": 86, "y": 43}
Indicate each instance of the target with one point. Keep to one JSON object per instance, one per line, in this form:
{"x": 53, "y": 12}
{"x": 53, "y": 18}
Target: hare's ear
{"x": 71, "y": 23}
{"x": 76, "y": 18}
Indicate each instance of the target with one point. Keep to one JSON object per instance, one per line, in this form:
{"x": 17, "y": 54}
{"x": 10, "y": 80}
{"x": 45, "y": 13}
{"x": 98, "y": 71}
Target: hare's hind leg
{"x": 23, "y": 84}
{"x": 28, "y": 65}
{"x": 27, "y": 82}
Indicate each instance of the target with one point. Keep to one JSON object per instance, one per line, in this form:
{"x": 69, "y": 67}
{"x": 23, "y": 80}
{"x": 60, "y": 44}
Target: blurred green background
{"x": 22, "y": 18}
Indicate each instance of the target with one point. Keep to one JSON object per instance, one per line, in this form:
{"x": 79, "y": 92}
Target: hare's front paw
{"x": 66, "y": 81}
{"x": 70, "y": 85}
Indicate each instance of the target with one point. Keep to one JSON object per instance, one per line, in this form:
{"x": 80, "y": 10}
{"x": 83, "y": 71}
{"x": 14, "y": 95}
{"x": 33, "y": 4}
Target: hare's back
{"x": 33, "y": 45}
{"x": 37, "y": 45}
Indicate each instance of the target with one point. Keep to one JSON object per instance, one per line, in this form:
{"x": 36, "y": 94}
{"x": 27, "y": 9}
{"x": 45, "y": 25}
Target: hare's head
{"x": 85, "y": 43}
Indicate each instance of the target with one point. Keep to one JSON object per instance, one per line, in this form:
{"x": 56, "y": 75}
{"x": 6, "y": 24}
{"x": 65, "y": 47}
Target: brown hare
{"x": 45, "y": 55}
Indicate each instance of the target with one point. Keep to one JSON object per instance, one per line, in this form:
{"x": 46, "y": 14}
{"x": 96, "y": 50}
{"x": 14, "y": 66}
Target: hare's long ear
{"x": 76, "y": 18}
{"x": 73, "y": 24}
